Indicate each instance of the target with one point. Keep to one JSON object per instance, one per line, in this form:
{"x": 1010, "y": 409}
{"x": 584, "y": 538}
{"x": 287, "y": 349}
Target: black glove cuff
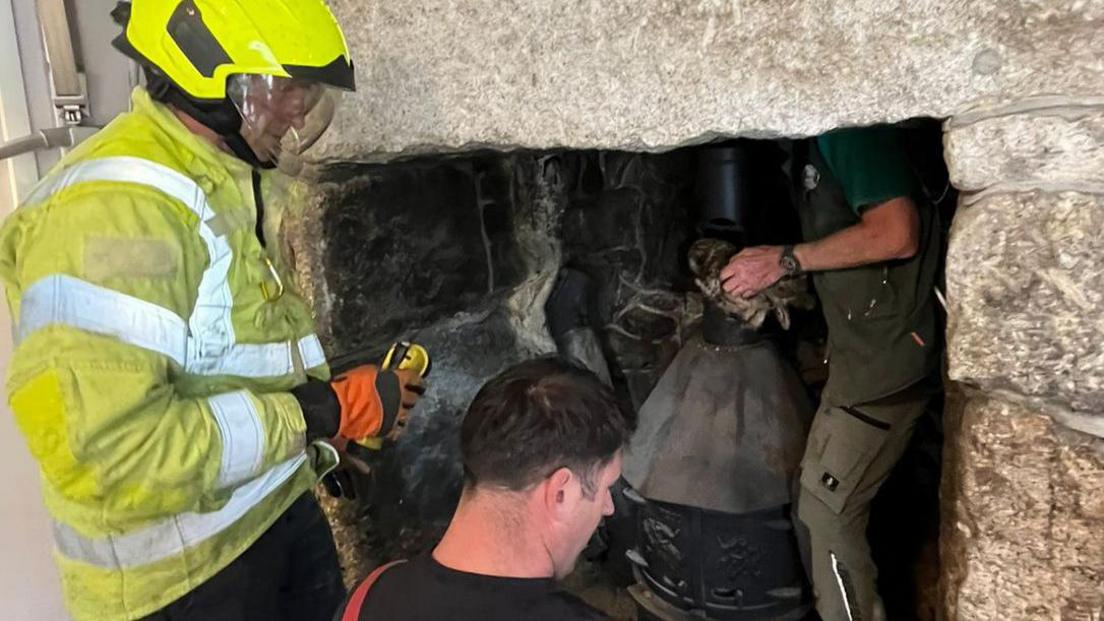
{"x": 321, "y": 409}
{"x": 390, "y": 396}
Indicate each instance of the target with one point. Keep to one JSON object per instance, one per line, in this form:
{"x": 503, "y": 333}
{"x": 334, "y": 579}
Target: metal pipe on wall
{"x": 56, "y": 138}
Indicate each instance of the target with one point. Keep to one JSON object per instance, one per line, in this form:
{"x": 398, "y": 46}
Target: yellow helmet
{"x": 229, "y": 64}
{"x": 198, "y": 44}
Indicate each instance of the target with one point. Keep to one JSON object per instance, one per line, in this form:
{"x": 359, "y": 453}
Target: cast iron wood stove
{"x": 710, "y": 473}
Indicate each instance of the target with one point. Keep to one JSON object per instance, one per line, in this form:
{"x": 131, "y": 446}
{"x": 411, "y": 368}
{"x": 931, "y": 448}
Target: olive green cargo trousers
{"x": 850, "y": 453}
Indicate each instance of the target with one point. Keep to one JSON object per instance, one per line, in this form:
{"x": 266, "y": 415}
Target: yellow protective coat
{"x": 152, "y": 363}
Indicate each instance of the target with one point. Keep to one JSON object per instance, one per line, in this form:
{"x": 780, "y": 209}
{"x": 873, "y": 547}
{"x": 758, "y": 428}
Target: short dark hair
{"x": 538, "y": 416}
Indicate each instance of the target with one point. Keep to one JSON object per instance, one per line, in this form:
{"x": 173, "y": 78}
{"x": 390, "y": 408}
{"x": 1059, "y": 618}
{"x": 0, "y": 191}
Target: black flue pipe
{"x": 723, "y": 193}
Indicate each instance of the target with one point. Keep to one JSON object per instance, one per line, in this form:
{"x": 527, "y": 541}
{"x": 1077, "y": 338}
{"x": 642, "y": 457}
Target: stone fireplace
{"x": 463, "y": 254}
{"x": 579, "y": 111}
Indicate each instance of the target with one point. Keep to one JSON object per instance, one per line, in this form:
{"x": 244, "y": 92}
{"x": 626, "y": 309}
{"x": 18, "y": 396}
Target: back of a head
{"x": 538, "y": 416}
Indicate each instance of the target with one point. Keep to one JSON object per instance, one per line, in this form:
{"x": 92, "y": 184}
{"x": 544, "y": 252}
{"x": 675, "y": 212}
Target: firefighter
{"x": 167, "y": 377}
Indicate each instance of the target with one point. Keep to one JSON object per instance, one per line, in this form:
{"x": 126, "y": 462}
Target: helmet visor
{"x": 281, "y": 117}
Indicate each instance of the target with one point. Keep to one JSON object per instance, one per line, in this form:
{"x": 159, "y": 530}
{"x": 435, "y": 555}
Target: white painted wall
{"x": 29, "y": 585}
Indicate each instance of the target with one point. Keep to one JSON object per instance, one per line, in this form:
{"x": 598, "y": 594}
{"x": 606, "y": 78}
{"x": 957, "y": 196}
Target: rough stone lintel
{"x": 646, "y": 75}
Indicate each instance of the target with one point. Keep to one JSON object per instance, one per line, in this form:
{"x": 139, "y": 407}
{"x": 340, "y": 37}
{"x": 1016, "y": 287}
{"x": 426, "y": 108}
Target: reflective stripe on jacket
{"x": 152, "y": 363}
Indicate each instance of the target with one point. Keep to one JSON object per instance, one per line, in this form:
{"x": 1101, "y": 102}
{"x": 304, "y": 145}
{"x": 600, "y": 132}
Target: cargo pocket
{"x": 842, "y": 446}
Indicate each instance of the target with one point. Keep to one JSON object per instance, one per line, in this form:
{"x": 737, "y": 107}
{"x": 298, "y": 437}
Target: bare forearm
{"x": 849, "y": 247}
{"x": 889, "y": 230}
{"x": 886, "y": 232}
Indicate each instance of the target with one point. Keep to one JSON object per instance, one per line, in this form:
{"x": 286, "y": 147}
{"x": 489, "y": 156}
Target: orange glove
{"x": 369, "y": 402}
{"x": 373, "y": 402}
{"x": 362, "y": 403}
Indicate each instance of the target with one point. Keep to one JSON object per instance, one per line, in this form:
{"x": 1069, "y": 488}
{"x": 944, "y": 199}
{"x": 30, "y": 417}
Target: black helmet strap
{"x": 222, "y": 117}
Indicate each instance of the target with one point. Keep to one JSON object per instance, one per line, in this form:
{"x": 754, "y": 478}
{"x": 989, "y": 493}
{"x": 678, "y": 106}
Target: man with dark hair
{"x": 541, "y": 445}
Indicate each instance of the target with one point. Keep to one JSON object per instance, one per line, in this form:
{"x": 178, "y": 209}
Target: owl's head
{"x": 707, "y": 257}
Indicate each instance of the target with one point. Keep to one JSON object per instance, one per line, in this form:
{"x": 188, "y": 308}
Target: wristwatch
{"x": 790, "y": 265}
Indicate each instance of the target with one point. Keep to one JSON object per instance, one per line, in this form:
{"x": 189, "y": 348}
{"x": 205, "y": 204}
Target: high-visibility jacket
{"x": 154, "y": 354}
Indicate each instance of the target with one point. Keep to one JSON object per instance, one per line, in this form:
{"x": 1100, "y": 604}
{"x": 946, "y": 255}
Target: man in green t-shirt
{"x": 872, "y": 247}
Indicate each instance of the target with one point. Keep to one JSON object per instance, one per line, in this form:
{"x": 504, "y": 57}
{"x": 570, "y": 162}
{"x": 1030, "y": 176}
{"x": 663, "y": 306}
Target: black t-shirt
{"x": 424, "y": 590}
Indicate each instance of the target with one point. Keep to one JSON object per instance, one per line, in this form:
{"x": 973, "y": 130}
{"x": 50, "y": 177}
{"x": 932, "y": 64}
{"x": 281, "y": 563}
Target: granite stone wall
{"x": 1020, "y": 82}
{"x": 1023, "y": 491}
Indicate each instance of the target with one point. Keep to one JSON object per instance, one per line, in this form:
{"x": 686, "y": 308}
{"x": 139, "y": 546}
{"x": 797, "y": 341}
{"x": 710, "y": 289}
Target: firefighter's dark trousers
{"x": 290, "y": 574}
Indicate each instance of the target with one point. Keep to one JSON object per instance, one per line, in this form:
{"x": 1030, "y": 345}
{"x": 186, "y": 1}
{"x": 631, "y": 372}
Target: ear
{"x": 557, "y": 491}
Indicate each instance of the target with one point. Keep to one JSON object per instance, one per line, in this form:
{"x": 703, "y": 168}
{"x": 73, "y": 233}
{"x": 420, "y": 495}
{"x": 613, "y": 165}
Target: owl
{"x": 708, "y": 257}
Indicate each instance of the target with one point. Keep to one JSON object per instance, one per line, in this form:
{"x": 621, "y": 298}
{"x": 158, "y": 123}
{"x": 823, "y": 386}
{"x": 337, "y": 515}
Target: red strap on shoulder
{"x": 356, "y": 602}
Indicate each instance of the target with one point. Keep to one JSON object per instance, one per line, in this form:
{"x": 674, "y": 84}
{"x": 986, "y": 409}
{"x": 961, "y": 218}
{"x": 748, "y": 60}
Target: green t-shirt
{"x": 870, "y": 164}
